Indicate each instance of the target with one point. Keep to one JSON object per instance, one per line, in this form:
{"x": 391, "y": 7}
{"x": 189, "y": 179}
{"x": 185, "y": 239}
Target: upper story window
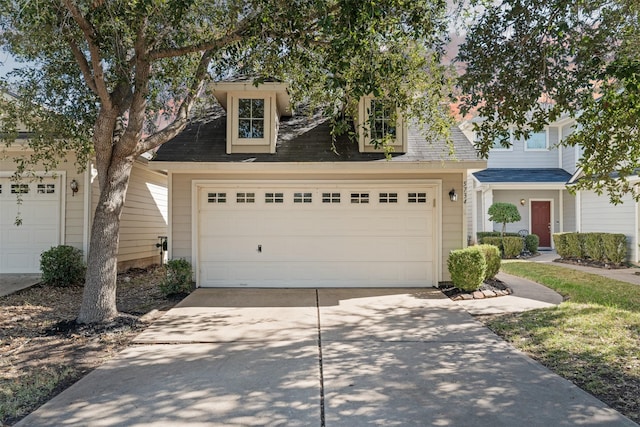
{"x": 378, "y": 122}
{"x": 253, "y": 113}
{"x": 251, "y": 118}
{"x": 536, "y": 141}
{"x": 381, "y": 120}
{"x": 497, "y": 144}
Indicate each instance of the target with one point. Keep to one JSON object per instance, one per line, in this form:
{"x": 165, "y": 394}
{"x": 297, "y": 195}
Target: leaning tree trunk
{"x": 99, "y": 297}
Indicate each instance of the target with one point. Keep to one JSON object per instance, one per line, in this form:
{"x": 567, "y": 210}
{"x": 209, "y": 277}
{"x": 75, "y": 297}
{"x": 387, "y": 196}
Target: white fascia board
{"x": 525, "y": 186}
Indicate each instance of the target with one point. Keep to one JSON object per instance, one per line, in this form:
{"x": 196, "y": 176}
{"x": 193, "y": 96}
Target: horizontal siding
{"x": 513, "y": 197}
{"x": 517, "y": 157}
{"x": 144, "y": 216}
{"x": 569, "y": 158}
{"x": 598, "y": 215}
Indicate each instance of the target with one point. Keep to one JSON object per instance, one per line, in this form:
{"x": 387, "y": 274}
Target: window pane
{"x": 244, "y": 128}
{"x": 537, "y": 141}
{"x": 380, "y": 120}
{"x": 257, "y": 129}
{"x": 257, "y": 108}
{"x": 244, "y": 108}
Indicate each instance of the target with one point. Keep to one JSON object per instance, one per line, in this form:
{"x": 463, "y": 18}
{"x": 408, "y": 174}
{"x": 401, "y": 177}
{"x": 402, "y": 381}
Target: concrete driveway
{"x": 10, "y": 283}
{"x": 307, "y": 357}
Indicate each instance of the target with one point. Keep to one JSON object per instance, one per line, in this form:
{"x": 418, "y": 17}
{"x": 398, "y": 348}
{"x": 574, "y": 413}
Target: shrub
{"x": 62, "y": 266}
{"x": 177, "y": 280}
{"x": 531, "y": 242}
{"x": 593, "y": 246}
{"x": 492, "y": 258}
{"x": 512, "y": 246}
{"x": 560, "y": 242}
{"x": 574, "y": 245}
{"x": 482, "y": 234}
{"x": 615, "y": 247}
{"x": 495, "y": 241}
{"x": 467, "y": 268}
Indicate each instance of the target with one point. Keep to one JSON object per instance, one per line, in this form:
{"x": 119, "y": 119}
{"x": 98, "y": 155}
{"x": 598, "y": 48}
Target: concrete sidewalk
{"x": 327, "y": 357}
{"x": 10, "y": 283}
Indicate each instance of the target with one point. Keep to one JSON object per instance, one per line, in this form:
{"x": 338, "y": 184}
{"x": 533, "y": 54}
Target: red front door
{"x": 541, "y": 222}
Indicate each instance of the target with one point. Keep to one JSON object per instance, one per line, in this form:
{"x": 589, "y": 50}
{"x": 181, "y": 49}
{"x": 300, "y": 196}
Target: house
{"x": 57, "y": 208}
{"x": 535, "y": 174}
{"x": 260, "y": 196}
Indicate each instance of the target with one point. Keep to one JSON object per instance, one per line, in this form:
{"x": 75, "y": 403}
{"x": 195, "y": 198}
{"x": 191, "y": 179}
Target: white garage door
{"x": 314, "y": 235}
{"x": 21, "y": 246}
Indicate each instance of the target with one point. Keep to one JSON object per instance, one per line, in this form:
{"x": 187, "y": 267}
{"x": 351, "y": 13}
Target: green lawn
{"x": 592, "y": 339}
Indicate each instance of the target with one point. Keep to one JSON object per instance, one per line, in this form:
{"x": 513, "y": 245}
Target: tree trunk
{"x": 99, "y": 297}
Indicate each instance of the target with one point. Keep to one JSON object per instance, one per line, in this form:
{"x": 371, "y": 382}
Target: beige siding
{"x": 453, "y": 228}
{"x": 74, "y": 204}
{"x": 144, "y": 217}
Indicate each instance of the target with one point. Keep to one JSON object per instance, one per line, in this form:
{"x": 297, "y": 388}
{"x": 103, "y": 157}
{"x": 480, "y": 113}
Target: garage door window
{"x": 46, "y": 188}
{"x": 217, "y": 198}
{"x": 388, "y": 198}
{"x": 359, "y": 198}
{"x": 19, "y": 188}
{"x": 330, "y": 197}
{"x": 274, "y": 197}
{"x": 302, "y": 198}
{"x": 417, "y": 198}
{"x": 245, "y": 197}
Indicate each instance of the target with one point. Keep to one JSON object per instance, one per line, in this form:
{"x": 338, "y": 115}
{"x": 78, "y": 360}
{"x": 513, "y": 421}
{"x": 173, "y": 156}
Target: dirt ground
{"x": 43, "y": 350}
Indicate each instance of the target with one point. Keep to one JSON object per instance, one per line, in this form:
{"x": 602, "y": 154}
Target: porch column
{"x": 487, "y": 201}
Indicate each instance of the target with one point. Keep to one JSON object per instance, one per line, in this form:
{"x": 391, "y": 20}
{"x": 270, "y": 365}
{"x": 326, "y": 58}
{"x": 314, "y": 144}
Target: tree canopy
{"x": 528, "y": 63}
{"x": 503, "y": 213}
{"x": 102, "y": 72}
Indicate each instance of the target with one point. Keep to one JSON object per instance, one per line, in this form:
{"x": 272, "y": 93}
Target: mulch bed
{"x": 591, "y": 263}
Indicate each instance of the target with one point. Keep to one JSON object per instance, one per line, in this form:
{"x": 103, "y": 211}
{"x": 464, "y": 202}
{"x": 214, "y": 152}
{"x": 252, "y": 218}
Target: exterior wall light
{"x": 522, "y": 202}
{"x": 74, "y": 187}
{"x": 453, "y": 196}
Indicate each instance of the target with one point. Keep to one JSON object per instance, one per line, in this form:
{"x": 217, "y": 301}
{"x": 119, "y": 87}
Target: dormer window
{"x": 253, "y": 114}
{"x": 378, "y": 123}
{"x": 251, "y": 118}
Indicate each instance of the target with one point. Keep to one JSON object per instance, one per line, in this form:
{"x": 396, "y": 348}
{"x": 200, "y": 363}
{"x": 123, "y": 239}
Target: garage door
{"x": 314, "y": 236}
{"x": 21, "y": 246}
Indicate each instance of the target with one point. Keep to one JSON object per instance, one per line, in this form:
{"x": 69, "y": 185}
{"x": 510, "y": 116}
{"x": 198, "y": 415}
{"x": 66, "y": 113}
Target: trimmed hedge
{"x": 493, "y": 259}
{"x": 482, "y": 234}
{"x": 512, "y": 246}
{"x": 495, "y": 241}
{"x": 602, "y": 247}
{"x": 467, "y": 268}
{"x": 177, "y": 279}
{"x": 531, "y": 242}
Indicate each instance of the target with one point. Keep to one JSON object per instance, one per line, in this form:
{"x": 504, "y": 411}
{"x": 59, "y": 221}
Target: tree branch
{"x": 90, "y": 36}
{"x": 182, "y": 115}
{"x": 84, "y": 65}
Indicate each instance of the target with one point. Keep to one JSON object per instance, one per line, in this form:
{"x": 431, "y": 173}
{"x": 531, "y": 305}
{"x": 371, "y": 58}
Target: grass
{"x": 592, "y": 339}
{"x": 19, "y": 394}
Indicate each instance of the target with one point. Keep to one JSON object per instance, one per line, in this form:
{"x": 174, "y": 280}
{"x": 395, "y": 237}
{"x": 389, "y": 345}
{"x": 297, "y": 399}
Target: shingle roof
{"x": 504, "y": 175}
{"x": 302, "y": 139}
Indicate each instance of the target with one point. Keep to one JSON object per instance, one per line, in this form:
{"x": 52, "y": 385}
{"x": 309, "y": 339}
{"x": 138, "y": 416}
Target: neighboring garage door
{"x": 316, "y": 235}
{"x": 21, "y": 246}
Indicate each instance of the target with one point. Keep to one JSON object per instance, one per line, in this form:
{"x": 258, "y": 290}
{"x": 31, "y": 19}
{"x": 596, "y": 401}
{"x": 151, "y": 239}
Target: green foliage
{"x": 603, "y": 247}
{"x": 490, "y": 240}
{"x": 62, "y": 266}
{"x": 493, "y": 259}
{"x": 482, "y": 234}
{"x": 531, "y": 242}
{"x": 593, "y": 245}
{"x": 467, "y": 268}
{"x": 574, "y": 245}
{"x": 512, "y": 246}
{"x": 528, "y": 64}
{"x": 178, "y": 278}
{"x": 503, "y": 213}
{"x": 560, "y": 243}
{"x": 615, "y": 247}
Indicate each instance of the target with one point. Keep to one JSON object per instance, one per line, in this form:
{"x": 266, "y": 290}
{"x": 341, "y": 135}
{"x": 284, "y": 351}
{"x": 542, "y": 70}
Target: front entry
{"x": 541, "y": 222}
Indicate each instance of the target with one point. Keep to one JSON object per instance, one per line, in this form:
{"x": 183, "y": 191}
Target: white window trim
{"x": 364, "y": 134}
{"x": 546, "y": 137}
{"x": 270, "y": 121}
{"x": 501, "y": 148}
